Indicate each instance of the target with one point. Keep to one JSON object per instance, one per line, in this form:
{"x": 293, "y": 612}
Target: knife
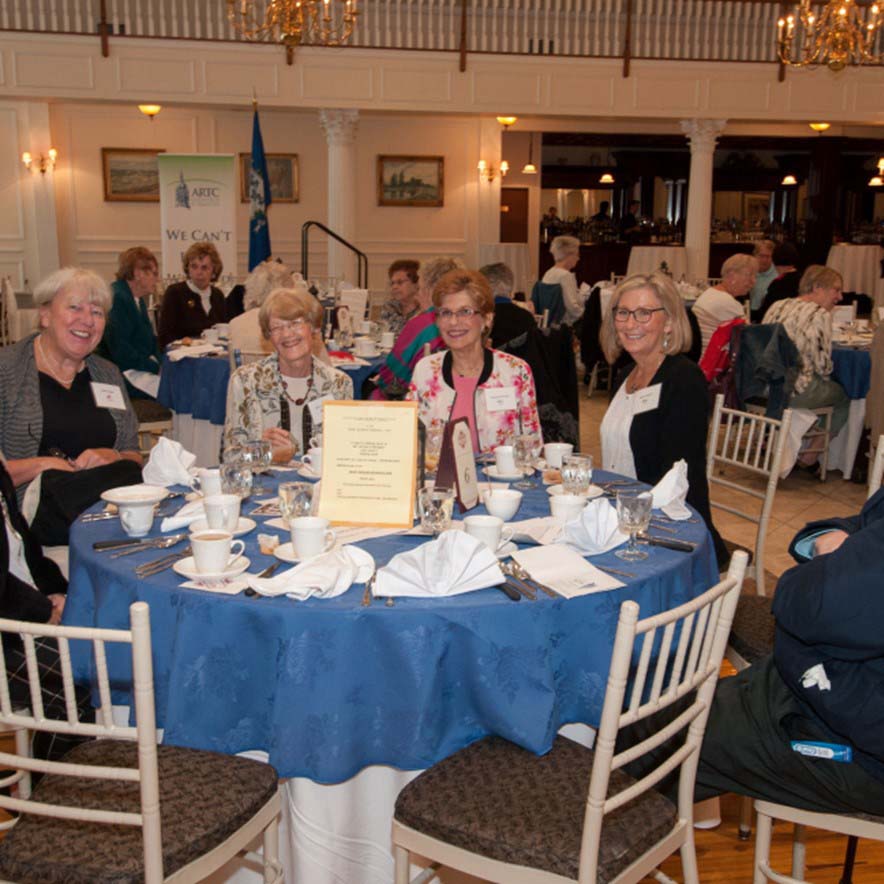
{"x": 508, "y": 590}
{"x": 117, "y": 544}
{"x": 668, "y": 543}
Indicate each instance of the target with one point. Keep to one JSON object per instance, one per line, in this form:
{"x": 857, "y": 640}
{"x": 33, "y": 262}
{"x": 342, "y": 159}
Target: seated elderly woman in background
{"x": 190, "y": 307}
{"x": 62, "y": 408}
{"x": 719, "y": 304}
{"x": 660, "y": 413}
{"x": 271, "y": 399}
{"x": 457, "y": 382}
{"x": 807, "y": 320}
{"x": 403, "y": 303}
{"x": 566, "y": 253}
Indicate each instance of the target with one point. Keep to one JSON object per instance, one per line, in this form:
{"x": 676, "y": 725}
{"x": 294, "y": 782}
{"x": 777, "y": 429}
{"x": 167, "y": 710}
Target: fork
{"x": 159, "y": 543}
{"x": 149, "y": 569}
{"x": 523, "y": 574}
{"x": 367, "y": 596}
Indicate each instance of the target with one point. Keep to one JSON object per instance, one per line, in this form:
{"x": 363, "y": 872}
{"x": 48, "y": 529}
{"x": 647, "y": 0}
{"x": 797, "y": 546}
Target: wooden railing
{"x": 689, "y": 30}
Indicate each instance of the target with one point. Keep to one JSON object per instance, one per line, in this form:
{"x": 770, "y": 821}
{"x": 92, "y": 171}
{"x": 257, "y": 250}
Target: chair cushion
{"x": 752, "y": 632}
{"x": 204, "y": 798}
{"x": 500, "y": 801}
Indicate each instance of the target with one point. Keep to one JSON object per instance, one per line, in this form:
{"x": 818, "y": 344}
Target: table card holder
{"x": 457, "y": 464}
{"x": 368, "y": 463}
{"x": 356, "y": 300}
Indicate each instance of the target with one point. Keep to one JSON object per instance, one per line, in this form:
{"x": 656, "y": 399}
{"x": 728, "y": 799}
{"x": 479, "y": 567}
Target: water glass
{"x": 295, "y": 499}
{"x": 576, "y": 473}
{"x": 525, "y": 452}
{"x": 633, "y": 516}
{"x": 433, "y": 448}
{"x": 236, "y": 478}
{"x": 436, "y": 509}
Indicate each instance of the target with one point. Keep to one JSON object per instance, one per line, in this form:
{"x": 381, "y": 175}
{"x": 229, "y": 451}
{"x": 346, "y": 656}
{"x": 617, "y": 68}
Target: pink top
{"x": 465, "y": 390}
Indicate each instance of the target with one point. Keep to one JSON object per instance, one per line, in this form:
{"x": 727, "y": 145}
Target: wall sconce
{"x": 607, "y": 178}
{"x": 43, "y": 163}
{"x": 150, "y": 110}
{"x": 488, "y": 172}
{"x": 789, "y": 180}
{"x": 820, "y": 127}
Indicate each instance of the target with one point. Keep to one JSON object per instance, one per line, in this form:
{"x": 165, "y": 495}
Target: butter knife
{"x": 509, "y": 591}
{"x": 667, "y": 543}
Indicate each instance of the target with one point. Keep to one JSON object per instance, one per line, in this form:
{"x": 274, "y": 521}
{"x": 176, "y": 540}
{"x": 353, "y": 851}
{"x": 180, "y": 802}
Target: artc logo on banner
{"x": 197, "y": 204}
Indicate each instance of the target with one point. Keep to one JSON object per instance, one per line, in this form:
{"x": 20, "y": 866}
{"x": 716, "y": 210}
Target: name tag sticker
{"x": 501, "y": 399}
{"x": 315, "y": 406}
{"x": 646, "y": 400}
{"x": 108, "y": 396}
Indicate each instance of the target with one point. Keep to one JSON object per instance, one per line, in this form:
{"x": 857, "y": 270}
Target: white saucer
{"x": 187, "y": 568}
{"x": 594, "y": 491}
{"x": 129, "y": 494}
{"x": 506, "y": 550}
{"x": 286, "y": 553}
{"x": 243, "y": 526}
{"x": 307, "y": 473}
{"x": 491, "y": 472}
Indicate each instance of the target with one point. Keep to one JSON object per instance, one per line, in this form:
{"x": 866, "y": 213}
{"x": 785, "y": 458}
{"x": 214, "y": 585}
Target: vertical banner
{"x": 198, "y": 197}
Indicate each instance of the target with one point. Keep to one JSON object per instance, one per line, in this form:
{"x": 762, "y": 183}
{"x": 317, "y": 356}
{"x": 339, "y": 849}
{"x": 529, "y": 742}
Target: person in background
{"x": 454, "y": 383}
{"x": 404, "y": 303}
{"x": 719, "y": 303}
{"x": 566, "y": 253}
{"x": 603, "y": 213}
{"x": 510, "y": 322}
{"x": 245, "y": 330}
{"x": 629, "y": 225}
{"x": 129, "y": 340}
{"x": 190, "y": 307}
{"x": 767, "y": 273}
{"x": 660, "y": 411}
{"x": 420, "y": 331}
{"x": 786, "y": 260}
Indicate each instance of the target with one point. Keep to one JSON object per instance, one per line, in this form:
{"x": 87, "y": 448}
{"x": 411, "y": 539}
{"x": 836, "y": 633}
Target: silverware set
{"x": 149, "y": 569}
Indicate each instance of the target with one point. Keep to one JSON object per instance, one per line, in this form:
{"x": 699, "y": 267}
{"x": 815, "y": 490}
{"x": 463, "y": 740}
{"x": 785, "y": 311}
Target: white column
{"x": 702, "y": 135}
{"x": 340, "y": 135}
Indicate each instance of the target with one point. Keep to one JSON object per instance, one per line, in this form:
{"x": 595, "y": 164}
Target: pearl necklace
{"x": 44, "y": 356}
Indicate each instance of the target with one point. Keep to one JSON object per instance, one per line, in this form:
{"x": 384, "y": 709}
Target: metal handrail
{"x": 361, "y": 257}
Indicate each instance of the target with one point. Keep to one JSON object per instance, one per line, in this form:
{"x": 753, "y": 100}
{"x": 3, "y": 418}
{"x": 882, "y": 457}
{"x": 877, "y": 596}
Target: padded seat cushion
{"x": 752, "y": 632}
{"x": 204, "y": 798}
{"x": 500, "y": 801}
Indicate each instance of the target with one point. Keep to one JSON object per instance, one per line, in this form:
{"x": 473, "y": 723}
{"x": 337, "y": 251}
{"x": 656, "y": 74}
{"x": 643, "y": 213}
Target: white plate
{"x": 286, "y": 553}
{"x": 187, "y": 568}
{"x": 594, "y": 491}
{"x": 507, "y": 550}
{"x": 243, "y": 526}
{"x": 135, "y": 494}
{"x": 307, "y": 473}
{"x": 491, "y": 472}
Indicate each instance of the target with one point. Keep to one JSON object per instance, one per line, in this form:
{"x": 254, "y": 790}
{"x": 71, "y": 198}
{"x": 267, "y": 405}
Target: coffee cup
{"x": 566, "y": 506}
{"x": 222, "y": 511}
{"x": 388, "y": 339}
{"x": 213, "y": 550}
{"x": 365, "y": 347}
{"x": 365, "y": 327}
{"x": 488, "y": 529}
{"x": 136, "y": 517}
{"x": 311, "y": 536}
{"x": 505, "y": 459}
{"x": 555, "y": 452}
{"x": 503, "y": 503}
{"x": 313, "y": 460}
{"x": 208, "y": 482}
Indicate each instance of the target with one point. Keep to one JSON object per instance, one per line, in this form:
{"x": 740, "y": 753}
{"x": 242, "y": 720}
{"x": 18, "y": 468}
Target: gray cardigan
{"x": 21, "y": 411}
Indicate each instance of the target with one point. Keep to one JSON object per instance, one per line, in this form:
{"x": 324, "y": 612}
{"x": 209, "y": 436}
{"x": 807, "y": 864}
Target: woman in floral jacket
{"x": 493, "y": 390}
{"x": 271, "y": 399}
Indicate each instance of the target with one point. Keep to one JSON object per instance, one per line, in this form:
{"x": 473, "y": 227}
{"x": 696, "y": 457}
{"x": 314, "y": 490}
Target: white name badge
{"x": 501, "y": 399}
{"x": 315, "y": 406}
{"x": 108, "y": 396}
{"x": 646, "y": 400}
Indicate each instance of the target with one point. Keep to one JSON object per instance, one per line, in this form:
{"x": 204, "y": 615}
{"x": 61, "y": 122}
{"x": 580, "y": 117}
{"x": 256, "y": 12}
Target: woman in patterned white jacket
{"x": 493, "y": 390}
{"x": 270, "y": 399}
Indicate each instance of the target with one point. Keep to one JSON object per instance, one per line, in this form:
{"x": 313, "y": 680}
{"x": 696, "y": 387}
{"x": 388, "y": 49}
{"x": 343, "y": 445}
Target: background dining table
{"x": 349, "y": 702}
{"x": 852, "y": 368}
{"x": 860, "y": 268}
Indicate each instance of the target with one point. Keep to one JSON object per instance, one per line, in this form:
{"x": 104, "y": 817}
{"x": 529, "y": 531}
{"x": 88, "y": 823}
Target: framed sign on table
{"x": 130, "y": 174}
{"x": 282, "y": 170}
{"x": 411, "y": 181}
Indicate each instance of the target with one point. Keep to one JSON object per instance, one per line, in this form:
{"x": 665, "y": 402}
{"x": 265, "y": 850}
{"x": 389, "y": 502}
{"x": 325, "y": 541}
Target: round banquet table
{"x": 647, "y": 259}
{"x": 331, "y": 690}
{"x": 852, "y": 368}
{"x": 860, "y": 268}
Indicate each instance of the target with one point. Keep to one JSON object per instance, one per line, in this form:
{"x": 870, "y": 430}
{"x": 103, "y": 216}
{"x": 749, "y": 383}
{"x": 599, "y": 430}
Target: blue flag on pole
{"x": 259, "y": 197}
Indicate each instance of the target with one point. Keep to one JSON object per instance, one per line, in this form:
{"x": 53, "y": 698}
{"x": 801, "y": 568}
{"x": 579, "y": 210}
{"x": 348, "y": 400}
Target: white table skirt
{"x": 647, "y": 259}
{"x": 842, "y": 449}
{"x": 199, "y": 437}
{"x": 859, "y": 266}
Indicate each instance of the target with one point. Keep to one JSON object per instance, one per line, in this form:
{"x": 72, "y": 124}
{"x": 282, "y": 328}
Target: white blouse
{"x": 616, "y": 424}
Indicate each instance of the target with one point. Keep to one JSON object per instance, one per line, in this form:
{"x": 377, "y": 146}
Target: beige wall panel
{"x": 582, "y": 94}
{"x": 3, "y": 57}
{"x": 240, "y": 79}
{"x": 811, "y": 90}
{"x": 661, "y": 95}
{"x": 144, "y": 76}
{"x": 63, "y": 72}
{"x": 342, "y": 83}
{"x": 869, "y": 99}
{"x": 502, "y": 90}
{"x": 12, "y": 178}
{"x": 729, "y": 97}
{"x": 412, "y": 84}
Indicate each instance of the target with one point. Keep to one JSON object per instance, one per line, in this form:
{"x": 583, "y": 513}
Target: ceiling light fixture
{"x": 529, "y": 168}
{"x": 820, "y": 127}
{"x": 607, "y": 178}
{"x": 876, "y": 181}
{"x": 150, "y": 110}
{"x": 506, "y": 122}
{"x": 789, "y": 180}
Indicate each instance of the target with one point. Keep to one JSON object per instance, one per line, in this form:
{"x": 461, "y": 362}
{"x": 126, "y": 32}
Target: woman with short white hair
{"x": 719, "y": 304}
{"x": 566, "y": 253}
{"x": 245, "y": 330}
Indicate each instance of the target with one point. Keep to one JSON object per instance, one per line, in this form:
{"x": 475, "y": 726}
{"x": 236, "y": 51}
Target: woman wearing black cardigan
{"x": 660, "y": 412}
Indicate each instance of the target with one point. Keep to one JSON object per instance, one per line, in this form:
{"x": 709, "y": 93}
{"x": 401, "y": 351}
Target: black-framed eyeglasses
{"x": 641, "y": 315}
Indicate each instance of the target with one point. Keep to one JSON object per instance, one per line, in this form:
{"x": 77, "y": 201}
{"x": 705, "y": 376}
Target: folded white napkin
{"x": 595, "y": 530}
{"x": 185, "y": 517}
{"x": 325, "y": 577}
{"x": 670, "y": 492}
{"x": 194, "y": 350}
{"x": 454, "y": 563}
{"x": 170, "y": 463}
{"x": 541, "y": 530}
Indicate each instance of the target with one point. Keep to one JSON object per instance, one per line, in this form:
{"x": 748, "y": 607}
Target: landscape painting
{"x": 130, "y": 174}
{"x": 282, "y": 170}
{"x": 410, "y": 181}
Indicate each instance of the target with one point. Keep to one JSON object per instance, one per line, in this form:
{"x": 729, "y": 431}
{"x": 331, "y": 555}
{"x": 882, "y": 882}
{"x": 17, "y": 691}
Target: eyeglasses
{"x": 283, "y": 326}
{"x": 641, "y": 315}
{"x": 463, "y": 313}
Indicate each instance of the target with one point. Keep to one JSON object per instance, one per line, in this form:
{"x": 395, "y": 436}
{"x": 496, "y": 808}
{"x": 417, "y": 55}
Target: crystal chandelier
{"x": 293, "y": 22}
{"x": 842, "y": 33}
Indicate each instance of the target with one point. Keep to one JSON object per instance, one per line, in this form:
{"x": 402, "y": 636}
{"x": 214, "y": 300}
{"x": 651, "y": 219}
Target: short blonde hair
{"x": 562, "y": 246}
{"x": 819, "y": 277}
{"x": 664, "y": 290}
{"x": 289, "y": 304}
{"x": 202, "y": 250}
{"x": 86, "y": 281}
{"x": 265, "y": 278}
{"x": 739, "y": 263}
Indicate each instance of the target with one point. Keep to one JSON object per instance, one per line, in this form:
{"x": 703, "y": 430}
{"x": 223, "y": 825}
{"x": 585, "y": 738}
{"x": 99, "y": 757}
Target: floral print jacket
{"x": 255, "y": 394}
{"x": 432, "y": 387}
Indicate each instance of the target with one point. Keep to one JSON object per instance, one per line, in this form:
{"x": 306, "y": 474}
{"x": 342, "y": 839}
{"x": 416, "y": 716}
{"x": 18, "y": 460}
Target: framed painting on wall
{"x": 282, "y": 170}
{"x": 411, "y": 181}
{"x": 756, "y": 209}
{"x": 130, "y": 174}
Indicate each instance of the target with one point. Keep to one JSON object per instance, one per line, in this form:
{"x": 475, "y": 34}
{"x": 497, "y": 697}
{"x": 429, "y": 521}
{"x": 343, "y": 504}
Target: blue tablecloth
{"x": 197, "y": 387}
{"x": 328, "y": 687}
{"x": 852, "y": 369}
